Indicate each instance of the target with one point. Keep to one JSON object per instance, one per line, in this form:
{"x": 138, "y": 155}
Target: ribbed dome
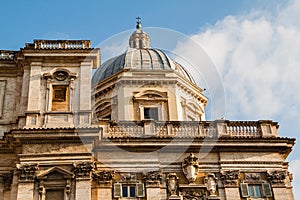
{"x": 139, "y": 59}
{"x": 139, "y": 56}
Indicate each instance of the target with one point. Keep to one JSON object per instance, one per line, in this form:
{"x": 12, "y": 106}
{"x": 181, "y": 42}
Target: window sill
{"x": 58, "y": 112}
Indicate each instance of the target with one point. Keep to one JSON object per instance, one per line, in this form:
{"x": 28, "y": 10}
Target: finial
{"x": 138, "y": 23}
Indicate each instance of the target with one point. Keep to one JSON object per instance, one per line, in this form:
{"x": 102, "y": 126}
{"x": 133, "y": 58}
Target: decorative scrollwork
{"x": 84, "y": 169}
{"x": 252, "y": 176}
{"x": 194, "y": 194}
{"x": 230, "y": 177}
{"x": 103, "y": 176}
{"x": 60, "y": 75}
{"x": 128, "y": 177}
{"x": 153, "y": 178}
{"x": 277, "y": 177}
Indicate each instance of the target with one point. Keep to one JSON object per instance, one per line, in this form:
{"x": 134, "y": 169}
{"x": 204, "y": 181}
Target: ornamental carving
{"x": 153, "y": 178}
{"x": 103, "y": 176}
{"x": 230, "y": 177}
{"x": 128, "y": 177}
{"x": 172, "y": 184}
{"x": 252, "y": 176}
{"x": 211, "y": 184}
{"x": 190, "y": 167}
{"x": 6, "y": 180}
{"x": 83, "y": 170}
{"x": 26, "y": 172}
{"x": 60, "y": 75}
{"x": 277, "y": 177}
{"x": 194, "y": 194}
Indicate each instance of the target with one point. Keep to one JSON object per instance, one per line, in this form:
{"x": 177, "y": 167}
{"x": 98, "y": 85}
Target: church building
{"x": 135, "y": 129}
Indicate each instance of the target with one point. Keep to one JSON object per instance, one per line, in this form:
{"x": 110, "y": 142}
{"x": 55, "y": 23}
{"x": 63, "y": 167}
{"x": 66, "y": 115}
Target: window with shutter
{"x": 117, "y": 190}
{"x": 267, "y": 191}
{"x": 140, "y": 192}
{"x": 244, "y": 190}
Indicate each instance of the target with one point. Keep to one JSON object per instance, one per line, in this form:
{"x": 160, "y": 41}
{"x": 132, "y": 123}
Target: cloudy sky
{"x": 254, "y": 45}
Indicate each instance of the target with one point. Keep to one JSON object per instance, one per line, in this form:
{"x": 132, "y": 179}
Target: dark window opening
{"x": 59, "y": 93}
{"x": 128, "y": 190}
{"x": 55, "y": 194}
{"x": 60, "y": 99}
{"x": 151, "y": 113}
{"x": 254, "y": 190}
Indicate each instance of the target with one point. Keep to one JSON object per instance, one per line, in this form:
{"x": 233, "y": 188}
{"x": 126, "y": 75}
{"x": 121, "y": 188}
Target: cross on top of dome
{"x": 138, "y": 23}
{"x": 139, "y": 39}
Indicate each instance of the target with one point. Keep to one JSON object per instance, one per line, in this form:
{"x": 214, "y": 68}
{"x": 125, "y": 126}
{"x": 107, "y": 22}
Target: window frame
{"x": 265, "y": 190}
{"x": 60, "y": 104}
{"x": 139, "y": 190}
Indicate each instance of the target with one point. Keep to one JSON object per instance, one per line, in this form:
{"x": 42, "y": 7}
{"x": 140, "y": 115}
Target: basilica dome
{"x": 139, "y": 56}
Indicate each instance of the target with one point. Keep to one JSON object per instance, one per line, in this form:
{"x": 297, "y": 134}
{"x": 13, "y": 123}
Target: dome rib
{"x": 150, "y": 58}
{"x": 137, "y": 59}
{"x": 162, "y": 66}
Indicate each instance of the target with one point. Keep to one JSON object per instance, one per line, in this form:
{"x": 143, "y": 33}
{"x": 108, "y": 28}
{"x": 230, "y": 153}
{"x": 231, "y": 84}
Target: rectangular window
{"x": 151, "y": 113}
{"x": 59, "y": 93}
{"x": 55, "y": 194}
{"x": 128, "y": 190}
{"x": 60, "y": 98}
{"x": 256, "y": 190}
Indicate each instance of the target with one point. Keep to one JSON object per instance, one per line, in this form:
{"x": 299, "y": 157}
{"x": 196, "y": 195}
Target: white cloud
{"x": 295, "y": 169}
{"x": 258, "y": 57}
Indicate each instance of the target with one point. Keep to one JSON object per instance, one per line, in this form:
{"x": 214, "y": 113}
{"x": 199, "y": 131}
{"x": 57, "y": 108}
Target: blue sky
{"x": 255, "y": 44}
{"x": 96, "y": 20}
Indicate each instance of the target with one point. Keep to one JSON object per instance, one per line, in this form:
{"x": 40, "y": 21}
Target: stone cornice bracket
{"x": 84, "y": 169}
{"x": 27, "y": 172}
{"x": 277, "y": 177}
{"x": 103, "y": 177}
{"x": 230, "y": 177}
{"x": 190, "y": 167}
{"x": 153, "y": 178}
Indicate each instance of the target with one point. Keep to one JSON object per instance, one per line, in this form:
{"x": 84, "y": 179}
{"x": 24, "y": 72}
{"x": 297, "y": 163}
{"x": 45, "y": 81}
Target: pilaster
{"x": 26, "y": 181}
{"x": 103, "y": 181}
{"x": 153, "y": 181}
{"x": 83, "y": 180}
{"x": 34, "y": 86}
{"x": 230, "y": 182}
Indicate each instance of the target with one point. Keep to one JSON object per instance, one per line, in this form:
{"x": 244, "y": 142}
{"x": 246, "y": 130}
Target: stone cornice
{"x": 120, "y": 79}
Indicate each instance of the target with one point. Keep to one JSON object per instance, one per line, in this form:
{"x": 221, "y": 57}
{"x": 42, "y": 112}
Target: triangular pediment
{"x": 55, "y": 173}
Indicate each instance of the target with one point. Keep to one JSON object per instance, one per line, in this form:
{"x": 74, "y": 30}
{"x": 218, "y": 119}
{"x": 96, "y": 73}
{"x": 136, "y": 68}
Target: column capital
{"x": 27, "y": 172}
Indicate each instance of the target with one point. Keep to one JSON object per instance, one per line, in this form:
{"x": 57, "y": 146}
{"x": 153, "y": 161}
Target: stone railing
{"x": 59, "y": 44}
{"x": 192, "y": 129}
{"x": 126, "y": 129}
{"x": 7, "y": 55}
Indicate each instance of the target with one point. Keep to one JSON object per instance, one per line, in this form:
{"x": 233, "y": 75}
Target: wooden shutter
{"x": 244, "y": 190}
{"x": 140, "y": 192}
{"x": 117, "y": 190}
{"x": 267, "y": 191}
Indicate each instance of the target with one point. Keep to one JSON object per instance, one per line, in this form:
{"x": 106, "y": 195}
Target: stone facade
{"x": 134, "y": 134}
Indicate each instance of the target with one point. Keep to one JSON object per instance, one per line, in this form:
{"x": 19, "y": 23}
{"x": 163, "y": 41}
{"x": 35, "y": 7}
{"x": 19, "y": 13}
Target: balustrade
{"x": 186, "y": 129}
{"x": 62, "y": 44}
{"x": 7, "y": 55}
